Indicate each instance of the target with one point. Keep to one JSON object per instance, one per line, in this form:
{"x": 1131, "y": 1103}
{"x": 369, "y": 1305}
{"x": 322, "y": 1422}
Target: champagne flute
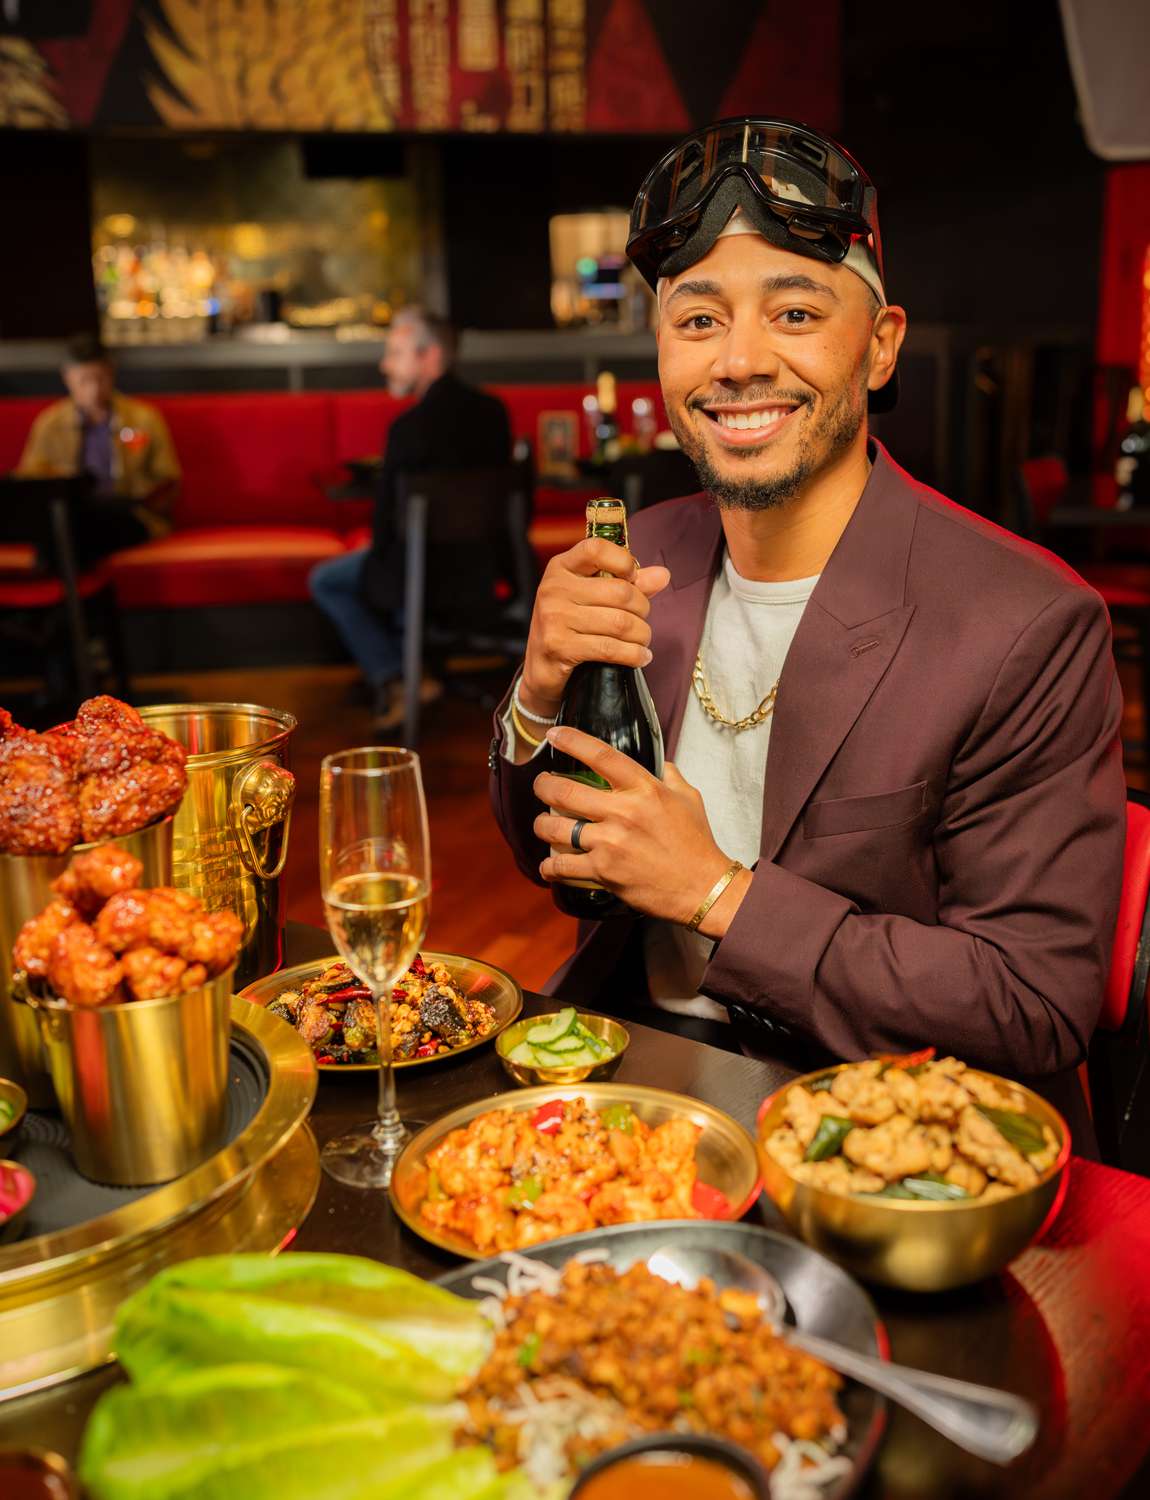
{"x": 375, "y": 875}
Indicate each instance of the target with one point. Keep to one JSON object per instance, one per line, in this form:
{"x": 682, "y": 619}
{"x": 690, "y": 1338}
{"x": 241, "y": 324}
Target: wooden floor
{"x": 481, "y": 904}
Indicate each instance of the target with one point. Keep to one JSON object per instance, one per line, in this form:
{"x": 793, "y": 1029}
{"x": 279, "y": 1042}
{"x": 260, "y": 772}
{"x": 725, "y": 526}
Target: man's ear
{"x": 887, "y": 334}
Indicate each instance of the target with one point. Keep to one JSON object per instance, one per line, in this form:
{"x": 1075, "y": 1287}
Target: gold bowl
{"x": 11, "y": 1224}
{"x": 614, "y": 1033}
{"x": 12, "y": 1095}
{"x": 728, "y": 1172}
{"x": 919, "y": 1247}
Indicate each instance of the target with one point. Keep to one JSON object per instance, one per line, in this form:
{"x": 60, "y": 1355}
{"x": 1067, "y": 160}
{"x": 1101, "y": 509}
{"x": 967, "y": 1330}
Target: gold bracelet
{"x": 714, "y": 893}
{"x": 522, "y": 730}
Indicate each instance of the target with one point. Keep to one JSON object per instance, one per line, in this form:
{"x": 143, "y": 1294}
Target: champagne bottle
{"x": 614, "y": 704}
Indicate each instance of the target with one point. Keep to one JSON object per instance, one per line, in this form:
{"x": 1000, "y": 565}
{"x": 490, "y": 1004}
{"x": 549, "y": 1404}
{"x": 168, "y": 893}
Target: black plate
{"x": 822, "y": 1299}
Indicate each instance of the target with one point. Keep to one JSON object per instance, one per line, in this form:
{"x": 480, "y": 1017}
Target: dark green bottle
{"x": 614, "y": 704}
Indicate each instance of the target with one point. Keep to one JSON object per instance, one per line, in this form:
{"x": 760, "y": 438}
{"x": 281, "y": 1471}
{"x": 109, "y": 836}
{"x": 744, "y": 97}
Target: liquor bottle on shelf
{"x": 612, "y": 703}
{"x": 606, "y": 447}
{"x": 1132, "y": 471}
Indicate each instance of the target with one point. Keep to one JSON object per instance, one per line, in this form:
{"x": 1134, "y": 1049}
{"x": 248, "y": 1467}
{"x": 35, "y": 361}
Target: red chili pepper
{"x": 429, "y": 1049}
{"x": 709, "y": 1202}
{"x": 352, "y": 992}
{"x": 324, "y": 1057}
{"x": 418, "y": 965}
{"x": 548, "y": 1117}
{"x": 907, "y": 1059}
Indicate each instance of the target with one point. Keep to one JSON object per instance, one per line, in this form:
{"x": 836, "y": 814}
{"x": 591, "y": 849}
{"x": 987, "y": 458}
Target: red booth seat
{"x": 224, "y": 565}
{"x": 252, "y": 517}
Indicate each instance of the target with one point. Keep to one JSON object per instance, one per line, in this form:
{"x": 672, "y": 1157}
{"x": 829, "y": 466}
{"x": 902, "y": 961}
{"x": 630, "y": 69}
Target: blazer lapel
{"x": 846, "y": 640}
{"x": 692, "y": 554}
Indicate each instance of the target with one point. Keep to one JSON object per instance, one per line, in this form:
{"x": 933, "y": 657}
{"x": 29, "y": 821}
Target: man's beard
{"x": 833, "y": 435}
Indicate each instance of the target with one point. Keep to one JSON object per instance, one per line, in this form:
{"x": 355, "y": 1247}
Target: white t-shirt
{"x": 746, "y": 637}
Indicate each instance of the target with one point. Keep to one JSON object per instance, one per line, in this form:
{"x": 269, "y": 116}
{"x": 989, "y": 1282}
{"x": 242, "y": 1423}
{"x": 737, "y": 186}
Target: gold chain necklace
{"x": 764, "y": 711}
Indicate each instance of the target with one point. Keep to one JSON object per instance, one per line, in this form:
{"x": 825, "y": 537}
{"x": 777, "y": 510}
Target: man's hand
{"x": 647, "y": 840}
{"x": 579, "y": 617}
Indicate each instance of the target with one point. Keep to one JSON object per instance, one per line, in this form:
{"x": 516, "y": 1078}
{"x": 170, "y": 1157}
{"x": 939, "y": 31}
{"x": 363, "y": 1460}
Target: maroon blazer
{"x": 944, "y": 810}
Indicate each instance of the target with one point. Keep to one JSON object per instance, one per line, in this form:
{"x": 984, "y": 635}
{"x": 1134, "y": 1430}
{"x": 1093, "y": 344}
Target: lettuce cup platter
{"x": 308, "y": 1373}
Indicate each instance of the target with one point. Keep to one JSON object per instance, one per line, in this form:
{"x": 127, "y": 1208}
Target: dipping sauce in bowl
{"x": 674, "y": 1466}
{"x": 667, "y": 1476}
{"x": 34, "y": 1474}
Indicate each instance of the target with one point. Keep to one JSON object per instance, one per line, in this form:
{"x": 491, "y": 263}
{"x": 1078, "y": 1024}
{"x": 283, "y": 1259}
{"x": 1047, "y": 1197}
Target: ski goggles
{"x": 802, "y": 192}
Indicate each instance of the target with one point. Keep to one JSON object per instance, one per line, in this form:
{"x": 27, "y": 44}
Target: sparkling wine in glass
{"x": 375, "y": 874}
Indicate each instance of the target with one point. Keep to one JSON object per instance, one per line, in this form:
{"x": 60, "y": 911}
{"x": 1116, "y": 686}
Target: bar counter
{"x": 1068, "y": 1325}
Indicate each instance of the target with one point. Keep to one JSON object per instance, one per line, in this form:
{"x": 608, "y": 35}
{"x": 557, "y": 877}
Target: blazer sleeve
{"x": 513, "y": 800}
{"x": 1029, "y": 846}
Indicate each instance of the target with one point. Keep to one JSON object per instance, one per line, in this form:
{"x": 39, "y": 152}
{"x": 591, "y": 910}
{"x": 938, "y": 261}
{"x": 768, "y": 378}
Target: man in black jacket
{"x": 452, "y": 426}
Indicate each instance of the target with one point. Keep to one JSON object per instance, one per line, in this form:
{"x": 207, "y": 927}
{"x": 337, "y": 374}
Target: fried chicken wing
{"x": 981, "y": 1142}
{"x": 151, "y": 975}
{"x": 161, "y": 918}
{"x": 81, "y": 970}
{"x": 900, "y": 1148}
{"x": 34, "y": 942}
{"x": 174, "y": 922}
{"x": 214, "y": 941}
{"x": 39, "y": 813}
{"x": 130, "y": 775}
{"x": 94, "y": 877}
{"x": 8, "y": 725}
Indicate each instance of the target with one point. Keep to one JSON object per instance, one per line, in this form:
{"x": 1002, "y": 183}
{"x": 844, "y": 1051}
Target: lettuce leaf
{"x": 365, "y": 1324}
{"x": 268, "y": 1434}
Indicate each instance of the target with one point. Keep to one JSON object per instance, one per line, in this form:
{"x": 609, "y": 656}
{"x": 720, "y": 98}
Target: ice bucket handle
{"x": 261, "y": 797}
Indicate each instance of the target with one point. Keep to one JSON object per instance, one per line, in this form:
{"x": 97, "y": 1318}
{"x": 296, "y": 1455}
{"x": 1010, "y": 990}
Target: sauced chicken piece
{"x": 873, "y": 1103}
{"x": 34, "y": 943}
{"x": 979, "y": 1140}
{"x": 314, "y": 1021}
{"x": 965, "y": 1174}
{"x": 159, "y": 918}
{"x": 900, "y": 1148}
{"x": 152, "y": 975}
{"x": 803, "y": 1111}
{"x": 130, "y": 774}
{"x": 215, "y": 940}
{"x": 847, "y": 1083}
{"x": 552, "y": 1215}
{"x": 95, "y": 876}
{"x": 81, "y": 969}
{"x": 38, "y": 782}
{"x": 174, "y": 922}
{"x": 940, "y": 1098}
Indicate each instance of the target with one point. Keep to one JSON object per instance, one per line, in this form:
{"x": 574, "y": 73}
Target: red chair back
{"x": 1045, "y": 481}
{"x": 1130, "y": 956}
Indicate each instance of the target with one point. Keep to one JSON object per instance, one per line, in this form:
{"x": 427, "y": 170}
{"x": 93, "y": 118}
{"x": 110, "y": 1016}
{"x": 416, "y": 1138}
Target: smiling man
{"x": 895, "y": 813}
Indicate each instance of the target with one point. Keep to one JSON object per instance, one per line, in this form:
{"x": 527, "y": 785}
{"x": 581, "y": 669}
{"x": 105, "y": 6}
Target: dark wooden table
{"x": 1068, "y": 1326}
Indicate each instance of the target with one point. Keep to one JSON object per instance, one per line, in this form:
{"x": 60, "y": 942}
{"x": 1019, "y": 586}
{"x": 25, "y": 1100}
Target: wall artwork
{"x": 526, "y": 66}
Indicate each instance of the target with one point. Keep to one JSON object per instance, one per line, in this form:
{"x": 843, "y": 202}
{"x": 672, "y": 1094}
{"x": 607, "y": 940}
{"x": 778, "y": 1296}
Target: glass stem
{"x": 388, "y": 1128}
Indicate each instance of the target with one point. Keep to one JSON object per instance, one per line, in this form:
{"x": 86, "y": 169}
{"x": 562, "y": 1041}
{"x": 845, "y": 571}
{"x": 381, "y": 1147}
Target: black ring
{"x": 576, "y": 833}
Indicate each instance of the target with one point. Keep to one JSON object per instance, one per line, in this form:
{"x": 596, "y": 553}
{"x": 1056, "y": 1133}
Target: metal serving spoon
{"x": 991, "y": 1424}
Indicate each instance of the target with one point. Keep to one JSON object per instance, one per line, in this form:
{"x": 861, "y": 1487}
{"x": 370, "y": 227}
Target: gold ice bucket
{"x": 143, "y": 1085}
{"x": 231, "y": 835}
{"x": 25, "y": 890}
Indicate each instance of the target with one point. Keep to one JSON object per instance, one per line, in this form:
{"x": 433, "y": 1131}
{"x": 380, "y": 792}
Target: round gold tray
{"x": 725, "y": 1154}
{"x": 59, "y": 1292}
{"x": 477, "y": 980}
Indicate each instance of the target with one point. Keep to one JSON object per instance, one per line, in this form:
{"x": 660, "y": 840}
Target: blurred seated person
{"x": 451, "y": 426}
{"x": 123, "y": 444}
